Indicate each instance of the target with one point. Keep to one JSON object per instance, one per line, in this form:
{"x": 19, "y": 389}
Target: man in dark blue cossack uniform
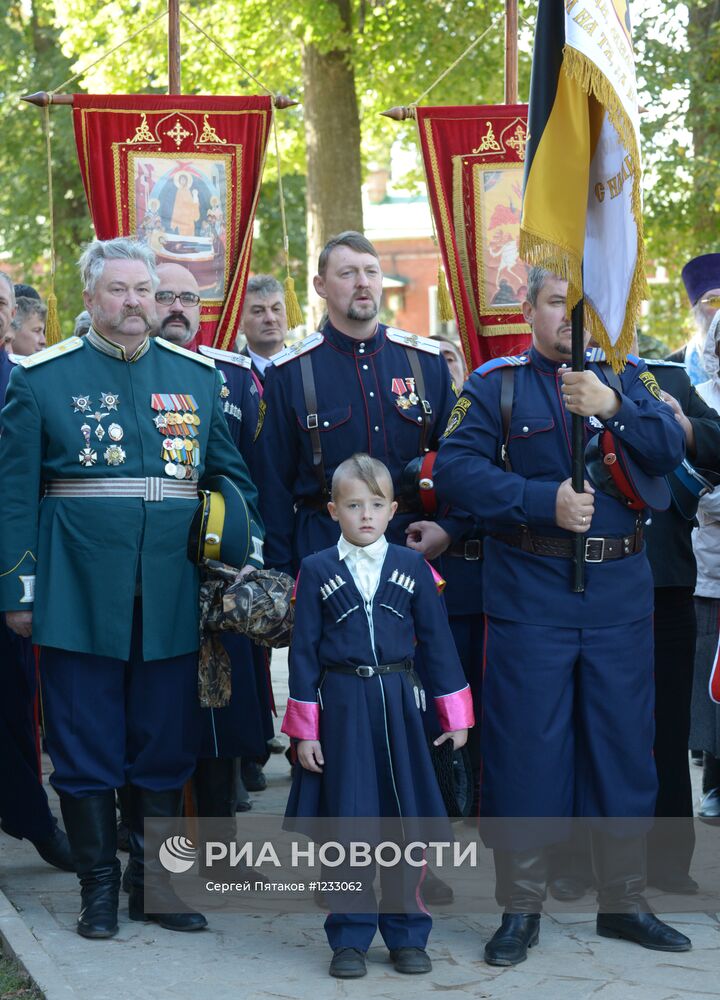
{"x": 359, "y": 386}
{"x": 568, "y": 687}
{"x": 242, "y": 728}
{"x": 353, "y": 387}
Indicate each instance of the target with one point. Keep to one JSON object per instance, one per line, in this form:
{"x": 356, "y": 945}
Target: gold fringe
{"x": 444, "y": 303}
{"x": 539, "y": 252}
{"x": 53, "y": 333}
{"x": 292, "y": 306}
{"x": 594, "y": 83}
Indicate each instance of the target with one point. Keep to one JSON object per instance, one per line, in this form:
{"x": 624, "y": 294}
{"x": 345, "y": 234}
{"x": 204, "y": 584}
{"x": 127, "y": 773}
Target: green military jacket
{"x": 82, "y": 411}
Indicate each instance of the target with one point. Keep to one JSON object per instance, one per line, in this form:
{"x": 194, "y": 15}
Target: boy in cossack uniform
{"x": 355, "y": 702}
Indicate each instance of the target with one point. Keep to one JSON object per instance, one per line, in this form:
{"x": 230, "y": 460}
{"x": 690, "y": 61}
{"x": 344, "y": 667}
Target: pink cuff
{"x": 455, "y": 711}
{"x": 302, "y": 720}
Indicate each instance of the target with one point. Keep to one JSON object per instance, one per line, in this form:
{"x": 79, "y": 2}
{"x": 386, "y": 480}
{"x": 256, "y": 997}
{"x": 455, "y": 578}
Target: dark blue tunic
{"x": 568, "y": 688}
{"x": 370, "y": 728}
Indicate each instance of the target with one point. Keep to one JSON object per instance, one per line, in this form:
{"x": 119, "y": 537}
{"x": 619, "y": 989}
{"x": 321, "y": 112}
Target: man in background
{"x": 263, "y": 321}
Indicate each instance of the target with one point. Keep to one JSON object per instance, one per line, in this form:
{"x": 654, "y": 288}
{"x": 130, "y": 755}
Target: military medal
{"x": 114, "y": 455}
{"x": 412, "y": 395}
{"x": 81, "y": 404}
{"x": 109, "y": 400}
{"x": 115, "y": 432}
{"x": 177, "y": 421}
{"x": 224, "y": 392}
{"x": 87, "y": 457}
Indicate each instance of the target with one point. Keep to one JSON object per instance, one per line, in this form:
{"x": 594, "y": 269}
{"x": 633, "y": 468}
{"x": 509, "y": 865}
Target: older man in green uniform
{"x": 105, "y": 440}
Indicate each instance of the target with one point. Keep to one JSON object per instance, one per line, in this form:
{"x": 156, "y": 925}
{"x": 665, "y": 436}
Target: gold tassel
{"x": 444, "y": 303}
{"x": 292, "y": 306}
{"x": 53, "y": 334}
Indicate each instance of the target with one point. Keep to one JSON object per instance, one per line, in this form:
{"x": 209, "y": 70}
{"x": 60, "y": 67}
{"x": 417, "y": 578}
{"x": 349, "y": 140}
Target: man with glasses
{"x": 114, "y": 431}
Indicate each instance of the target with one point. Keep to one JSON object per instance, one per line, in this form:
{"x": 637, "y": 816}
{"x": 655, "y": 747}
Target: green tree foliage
{"x": 31, "y": 60}
{"x": 397, "y": 48}
{"x": 679, "y": 79}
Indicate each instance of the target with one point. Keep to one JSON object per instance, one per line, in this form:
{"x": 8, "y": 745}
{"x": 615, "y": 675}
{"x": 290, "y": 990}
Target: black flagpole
{"x": 578, "y": 446}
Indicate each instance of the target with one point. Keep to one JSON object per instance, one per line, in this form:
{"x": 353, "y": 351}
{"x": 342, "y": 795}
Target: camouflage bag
{"x": 259, "y": 606}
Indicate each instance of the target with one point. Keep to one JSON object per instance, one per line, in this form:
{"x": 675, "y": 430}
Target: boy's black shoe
{"x": 411, "y": 961}
{"x": 348, "y": 963}
{"x": 510, "y": 942}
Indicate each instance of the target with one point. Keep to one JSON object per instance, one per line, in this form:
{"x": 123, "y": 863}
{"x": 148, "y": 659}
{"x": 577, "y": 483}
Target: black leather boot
{"x": 147, "y": 804}
{"x": 215, "y": 783}
{"x": 91, "y": 829}
{"x": 620, "y": 873}
{"x": 520, "y": 886}
{"x": 215, "y": 779}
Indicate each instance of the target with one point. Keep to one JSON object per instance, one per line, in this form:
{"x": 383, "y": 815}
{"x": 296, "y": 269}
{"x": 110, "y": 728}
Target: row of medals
{"x": 114, "y": 454}
{"x": 180, "y": 450}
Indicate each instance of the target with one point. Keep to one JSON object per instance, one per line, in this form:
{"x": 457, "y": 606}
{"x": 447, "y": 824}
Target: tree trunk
{"x": 332, "y": 135}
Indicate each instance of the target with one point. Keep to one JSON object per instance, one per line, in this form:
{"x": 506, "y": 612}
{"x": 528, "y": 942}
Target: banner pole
{"x": 511, "y": 52}
{"x": 578, "y": 447}
{"x": 174, "y": 84}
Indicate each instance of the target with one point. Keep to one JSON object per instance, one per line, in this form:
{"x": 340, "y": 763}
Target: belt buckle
{"x": 312, "y": 421}
{"x": 365, "y": 671}
{"x": 587, "y": 550}
{"x": 154, "y": 488}
{"x": 473, "y": 550}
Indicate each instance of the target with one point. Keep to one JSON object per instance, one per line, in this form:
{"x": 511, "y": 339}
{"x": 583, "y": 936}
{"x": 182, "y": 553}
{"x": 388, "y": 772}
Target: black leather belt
{"x": 471, "y": 549}
{"x": 597, "y": 549}
{"x": 369, "y": 671}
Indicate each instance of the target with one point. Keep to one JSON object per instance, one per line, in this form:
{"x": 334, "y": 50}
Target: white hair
{"x": 93, "y": 257}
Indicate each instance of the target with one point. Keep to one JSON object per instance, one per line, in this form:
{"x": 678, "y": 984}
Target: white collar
{"x": 375, "y": 551}
{"x": 261, "y": 363}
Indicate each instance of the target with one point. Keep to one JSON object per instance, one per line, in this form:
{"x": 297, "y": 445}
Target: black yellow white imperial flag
{"x": 582, "y": 209}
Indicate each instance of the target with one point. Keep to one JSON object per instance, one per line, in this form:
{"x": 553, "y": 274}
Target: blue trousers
{"x": 111, "y": 722}
{"x": 568, "y": 722}
{"x": 24, "y": 809}
{"x": 409, "y": 927}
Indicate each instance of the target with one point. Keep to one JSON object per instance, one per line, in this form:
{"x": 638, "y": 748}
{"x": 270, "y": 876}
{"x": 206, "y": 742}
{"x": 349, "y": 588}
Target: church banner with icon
{"x": 183, "y": 175}
{"x": 474, "y": 161}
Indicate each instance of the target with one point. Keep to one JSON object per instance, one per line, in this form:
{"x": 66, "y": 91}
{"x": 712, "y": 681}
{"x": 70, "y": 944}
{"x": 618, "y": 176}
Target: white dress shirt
{"x": 365, "y": 563}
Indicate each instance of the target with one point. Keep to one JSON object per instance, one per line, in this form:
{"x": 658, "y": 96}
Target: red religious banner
{"x": 474, "y": 163}
{"x": 182, "y": 174}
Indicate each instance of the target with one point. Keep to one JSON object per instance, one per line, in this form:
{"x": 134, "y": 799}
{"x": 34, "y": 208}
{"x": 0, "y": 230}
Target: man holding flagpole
{"x": 568, "y": 687}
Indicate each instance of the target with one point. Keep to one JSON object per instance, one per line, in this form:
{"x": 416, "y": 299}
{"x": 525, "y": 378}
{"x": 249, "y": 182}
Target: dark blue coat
{"x": 536, "y": 589}
{"x": 370, "y": 729}
{"x": 240, "y": 398}
{"x": 357, "y": 411}
{"x": 242, "y": 728}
